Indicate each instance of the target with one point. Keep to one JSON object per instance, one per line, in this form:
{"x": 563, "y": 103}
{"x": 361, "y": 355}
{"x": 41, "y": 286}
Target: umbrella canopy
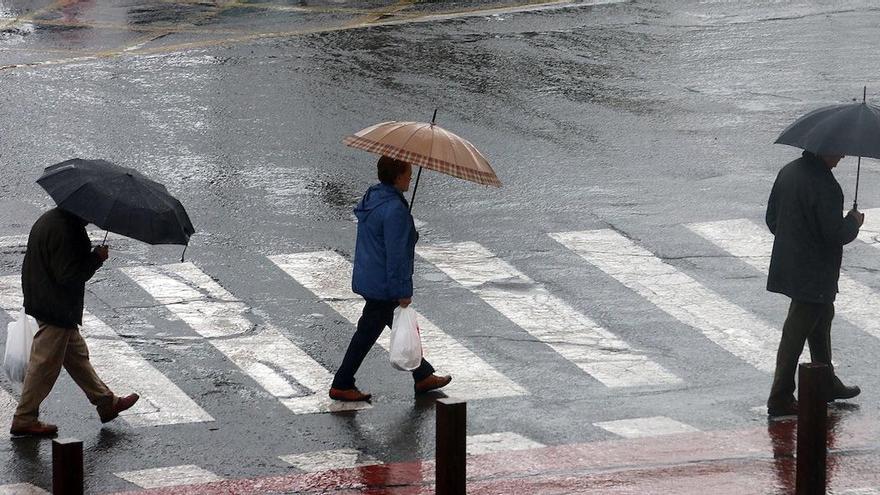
{"x": 851, "y": 129}
{"x": 426, "y": 145}
{"x": 118, "y": 199}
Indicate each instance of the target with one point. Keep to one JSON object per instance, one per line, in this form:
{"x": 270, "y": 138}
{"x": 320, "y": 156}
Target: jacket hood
{"x": 375, "y": 197}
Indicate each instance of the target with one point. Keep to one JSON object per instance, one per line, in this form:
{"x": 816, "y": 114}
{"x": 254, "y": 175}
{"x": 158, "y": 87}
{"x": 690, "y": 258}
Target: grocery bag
{"x": 406, "y": 343}
{"x": 19, "y": 337}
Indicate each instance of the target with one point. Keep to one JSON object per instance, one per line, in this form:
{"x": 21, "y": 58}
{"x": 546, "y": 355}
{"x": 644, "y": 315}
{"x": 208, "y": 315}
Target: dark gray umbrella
{"x": 118, "y": 199}
{"x": 851, "y": 129}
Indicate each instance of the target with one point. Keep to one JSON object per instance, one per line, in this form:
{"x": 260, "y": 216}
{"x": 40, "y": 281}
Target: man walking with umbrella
{"x": 58, "y": 261}
{"x": 804, "y": 213}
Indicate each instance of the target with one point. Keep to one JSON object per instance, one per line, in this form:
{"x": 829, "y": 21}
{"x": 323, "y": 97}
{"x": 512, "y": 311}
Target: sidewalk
{"x": 756, "y": 461}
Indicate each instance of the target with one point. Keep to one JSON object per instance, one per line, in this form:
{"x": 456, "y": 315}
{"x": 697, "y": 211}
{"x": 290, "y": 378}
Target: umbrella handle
{"x": 412, "y": 198}
{"x": 856, "y": 196}
{"x": 106, "y": 233}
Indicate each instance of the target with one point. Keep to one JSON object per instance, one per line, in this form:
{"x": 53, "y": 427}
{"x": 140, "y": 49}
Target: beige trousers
{"x": 53, "y": 348}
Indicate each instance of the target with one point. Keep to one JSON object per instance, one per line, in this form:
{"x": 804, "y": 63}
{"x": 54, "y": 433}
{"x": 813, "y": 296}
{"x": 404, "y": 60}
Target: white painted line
{"x": 573, "y": 335}
{"x": 123, "y": 369}
{"x": 870, "y": 230}
{"x": 728, "y": 325}
{"x": 856, "y": 302}
{"x": 328, "y": 275}
{"x": 646, "y": 427}
{"x": 12, "y": 241}
{"x": 507, "y": 441}
{"x": 313, "y": 462}
{"x": 169, "y": 476}
{"x": 22, "y": 489}
{"x": 273, "y": 361}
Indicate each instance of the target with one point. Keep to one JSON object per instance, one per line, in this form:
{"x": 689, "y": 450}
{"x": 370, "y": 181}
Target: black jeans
{"x": 806, "y": 323}
{"x": 376, "y": 316}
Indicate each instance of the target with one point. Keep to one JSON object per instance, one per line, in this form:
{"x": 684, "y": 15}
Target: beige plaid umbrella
{"x": 426, "y": 145}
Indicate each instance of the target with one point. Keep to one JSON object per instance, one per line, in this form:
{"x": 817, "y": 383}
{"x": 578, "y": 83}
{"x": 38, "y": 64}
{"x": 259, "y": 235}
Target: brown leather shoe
{"x": 432, "y": 382}
{"x": 349, "y": 395}
{"x": 122, "y": 403}
{"x": 37, "y": 429}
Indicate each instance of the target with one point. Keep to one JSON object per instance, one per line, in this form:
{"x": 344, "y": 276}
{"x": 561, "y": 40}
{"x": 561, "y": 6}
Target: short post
{"x": 814, "y": 380}
{"x": 451, "y": 454}
{"x": 67, "y": 467}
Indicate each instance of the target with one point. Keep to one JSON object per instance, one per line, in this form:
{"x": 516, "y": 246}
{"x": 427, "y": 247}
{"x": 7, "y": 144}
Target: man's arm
{"x": 398, "y": 261}
{"x": 70, "y": 263}
{"x": 835, "y": 228}
{"x": 770, "y": 216}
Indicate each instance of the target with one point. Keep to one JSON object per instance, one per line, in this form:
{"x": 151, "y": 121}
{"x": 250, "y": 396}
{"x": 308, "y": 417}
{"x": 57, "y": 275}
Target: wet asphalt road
{"x": 639, "y": 117}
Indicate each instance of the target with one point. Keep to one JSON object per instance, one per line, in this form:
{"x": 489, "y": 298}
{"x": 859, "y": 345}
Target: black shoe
{"x": 841, "y": 391}
{"x": 789, "y": 409}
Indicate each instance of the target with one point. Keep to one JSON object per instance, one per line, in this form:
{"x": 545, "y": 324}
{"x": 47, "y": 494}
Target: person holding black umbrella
{"x": 804, "y": 213}
{"x": 57, "y": 263}
{"x": 60, "y": 259}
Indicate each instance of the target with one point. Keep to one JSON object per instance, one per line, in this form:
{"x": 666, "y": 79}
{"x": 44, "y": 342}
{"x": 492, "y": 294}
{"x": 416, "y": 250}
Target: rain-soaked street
{"x": 610, "y": 294}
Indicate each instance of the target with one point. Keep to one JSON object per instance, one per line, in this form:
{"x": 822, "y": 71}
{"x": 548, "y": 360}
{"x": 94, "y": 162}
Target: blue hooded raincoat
{"x": 384, "y": 252}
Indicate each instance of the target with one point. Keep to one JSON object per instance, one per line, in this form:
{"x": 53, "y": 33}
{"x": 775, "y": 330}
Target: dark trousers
{"x": 806, "y": 322}
{"x": 376, "y": 316}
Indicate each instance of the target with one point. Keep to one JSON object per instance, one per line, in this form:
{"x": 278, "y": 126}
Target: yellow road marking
{"x": 371, "y": 18}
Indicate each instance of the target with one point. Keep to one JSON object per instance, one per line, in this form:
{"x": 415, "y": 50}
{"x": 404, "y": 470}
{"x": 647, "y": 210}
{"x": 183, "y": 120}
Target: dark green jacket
{"x": 58, "y": 262}
{"x": 805, "y": 214}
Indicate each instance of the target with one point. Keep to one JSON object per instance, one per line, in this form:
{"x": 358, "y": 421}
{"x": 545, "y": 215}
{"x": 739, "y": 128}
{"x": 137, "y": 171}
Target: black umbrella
{"x": 118, "y": 199}
{"x": 851, "y": 129}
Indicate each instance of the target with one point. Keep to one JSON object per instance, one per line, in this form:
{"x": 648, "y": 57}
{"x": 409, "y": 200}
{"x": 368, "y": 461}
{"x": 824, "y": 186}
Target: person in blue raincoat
{"x": 383, "y": 268}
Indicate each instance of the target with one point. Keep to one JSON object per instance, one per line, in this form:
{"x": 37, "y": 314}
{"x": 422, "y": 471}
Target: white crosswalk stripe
{"x": 573, "y": 335}
{"x": 279, "y": 366}
{"x": 869, "y": 232}
{"x": 328, "y": 275}
{"x": 169, "y": 476}
{"x": 752, "y": 243}
{"x": 325, "y": 460}
{"x": 506, "y": 441}
{"x": 728, "y": 325}
{"x": 22, "y": 489}
{"x": 646, "y": 427}
{"x": 123, "y": 369}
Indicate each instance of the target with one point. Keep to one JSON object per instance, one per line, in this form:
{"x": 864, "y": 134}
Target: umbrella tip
{"x": 434, "y": 118}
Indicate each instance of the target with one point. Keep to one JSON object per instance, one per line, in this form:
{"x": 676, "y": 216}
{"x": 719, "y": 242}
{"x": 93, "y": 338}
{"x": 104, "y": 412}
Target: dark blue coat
{"x": 805, "y": 214}
{"x": 384, "y": 253}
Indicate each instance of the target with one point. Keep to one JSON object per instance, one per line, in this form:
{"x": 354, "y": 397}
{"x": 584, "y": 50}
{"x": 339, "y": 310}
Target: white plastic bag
{"x": 406, "y": 343}
{"x": 19, "y": 337}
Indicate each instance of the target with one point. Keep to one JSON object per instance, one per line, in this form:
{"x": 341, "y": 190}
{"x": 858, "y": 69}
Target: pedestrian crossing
{"x": 731, "y": 327}
{"x": 274, "y": 362}
{"x": 247, "y": 337}
{"x": 576, "y": 337}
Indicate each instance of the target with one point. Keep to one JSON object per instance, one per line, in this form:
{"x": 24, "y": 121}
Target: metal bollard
{"x": 814, "y": 380}
{"x": 451, "y": 454}
{"x": 67, "y": 467}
